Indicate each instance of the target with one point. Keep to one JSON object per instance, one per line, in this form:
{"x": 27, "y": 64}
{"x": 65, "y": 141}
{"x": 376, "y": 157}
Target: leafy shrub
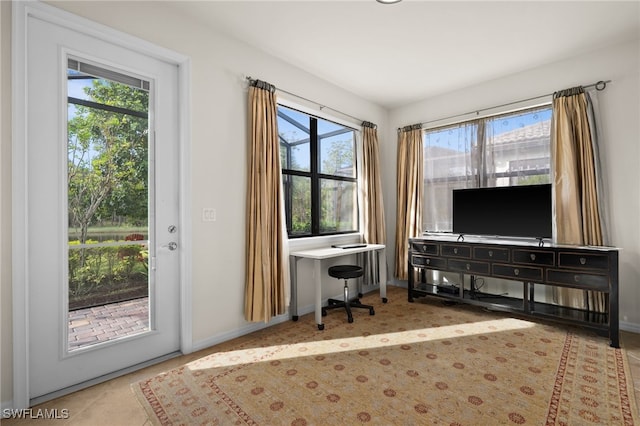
{"x": 100, "y": 271}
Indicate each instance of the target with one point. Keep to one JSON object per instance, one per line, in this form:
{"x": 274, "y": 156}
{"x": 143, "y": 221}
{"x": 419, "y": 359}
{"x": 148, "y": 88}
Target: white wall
{"x": 218, "y": 154}
{"x": 620, "y": 112}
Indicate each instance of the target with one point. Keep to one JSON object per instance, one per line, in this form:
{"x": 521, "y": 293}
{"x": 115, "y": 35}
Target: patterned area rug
{"x": 409, "y": 364}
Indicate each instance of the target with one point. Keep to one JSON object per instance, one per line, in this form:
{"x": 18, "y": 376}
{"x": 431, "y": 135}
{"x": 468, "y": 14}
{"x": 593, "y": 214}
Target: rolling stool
{"x": 346, "y": 272}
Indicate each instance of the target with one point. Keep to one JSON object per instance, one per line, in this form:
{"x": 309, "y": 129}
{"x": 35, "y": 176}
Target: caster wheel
{"x": 324, "y": 312}
{"x": 372, "y": 312}
{"x": 294, "y": 318}
{"x": 350, "y": 320}
{"x": 360, "y": 295}
{"x": 320, "y": 326}
{"x": 384, "y": 300}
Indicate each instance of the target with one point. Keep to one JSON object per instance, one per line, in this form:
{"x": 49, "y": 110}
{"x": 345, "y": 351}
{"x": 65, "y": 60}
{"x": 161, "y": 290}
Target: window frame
{"x": 316, "y": 176}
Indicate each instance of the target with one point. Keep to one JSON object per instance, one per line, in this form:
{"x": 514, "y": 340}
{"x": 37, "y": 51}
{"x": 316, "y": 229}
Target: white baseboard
{"x": 303, "y": 310}
{"x": 250, "y": 328}
{"x": 629, "y": 326}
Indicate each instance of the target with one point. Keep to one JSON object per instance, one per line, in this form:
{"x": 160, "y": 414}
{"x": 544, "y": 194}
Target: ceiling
{"x": 397, "y": 54}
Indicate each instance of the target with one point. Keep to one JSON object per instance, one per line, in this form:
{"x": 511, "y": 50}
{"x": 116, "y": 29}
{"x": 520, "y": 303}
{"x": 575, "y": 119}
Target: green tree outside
{"x": 107, "y": 185}
{"x": 338, "y": 161}
{"x": 108, "y": 159}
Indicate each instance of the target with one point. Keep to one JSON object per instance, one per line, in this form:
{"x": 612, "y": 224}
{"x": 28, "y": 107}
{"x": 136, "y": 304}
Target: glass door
{"x": 102, "y": 211}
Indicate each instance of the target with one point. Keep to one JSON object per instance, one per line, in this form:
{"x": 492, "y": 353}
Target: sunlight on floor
{"x": 373, "y": 341}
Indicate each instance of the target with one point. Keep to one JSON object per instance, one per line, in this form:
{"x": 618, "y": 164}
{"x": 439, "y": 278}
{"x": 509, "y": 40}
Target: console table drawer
{"x": 517, "y": 272}
{"x": 577, "y": 280}
{"x": 583, "y": 261}
{"x": 456, "y": 251}
{"x": 491, "y": 253}
{"x": 534, "y": 257}
{"x": 425, "y": 248}
{"x": 429, "y": 262}
{"x": 481, "y": 268}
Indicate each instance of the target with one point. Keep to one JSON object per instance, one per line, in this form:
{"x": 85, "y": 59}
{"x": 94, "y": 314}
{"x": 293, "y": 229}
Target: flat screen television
{"x": 507, "y": 211}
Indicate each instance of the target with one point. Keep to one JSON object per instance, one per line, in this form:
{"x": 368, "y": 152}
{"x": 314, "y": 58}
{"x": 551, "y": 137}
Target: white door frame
{"x": 21, "y": 11}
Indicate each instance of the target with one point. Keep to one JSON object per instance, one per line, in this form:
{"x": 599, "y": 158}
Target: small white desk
{"x": 317, "y": 255}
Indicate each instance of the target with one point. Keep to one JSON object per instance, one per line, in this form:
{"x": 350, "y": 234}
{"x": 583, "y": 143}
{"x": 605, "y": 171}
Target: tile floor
{"x": 113, "y": 403}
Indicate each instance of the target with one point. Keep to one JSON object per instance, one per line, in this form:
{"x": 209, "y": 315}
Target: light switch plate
{"x": 208, "y": 214}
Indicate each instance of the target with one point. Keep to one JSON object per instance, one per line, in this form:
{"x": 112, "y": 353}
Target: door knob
{"x": 171, "y": 246}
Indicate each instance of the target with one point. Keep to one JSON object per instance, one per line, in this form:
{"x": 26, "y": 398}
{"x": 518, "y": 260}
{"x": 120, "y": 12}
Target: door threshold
{"x": 101, "y": 379}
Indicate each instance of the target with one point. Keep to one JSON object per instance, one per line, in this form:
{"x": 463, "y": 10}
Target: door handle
{"x": 171, "y": 246}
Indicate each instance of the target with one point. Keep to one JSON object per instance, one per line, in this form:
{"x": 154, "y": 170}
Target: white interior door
{"x": 63, "y": 350}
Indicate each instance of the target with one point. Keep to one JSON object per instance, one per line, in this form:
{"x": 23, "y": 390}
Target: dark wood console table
{"x": 586, "y": 268}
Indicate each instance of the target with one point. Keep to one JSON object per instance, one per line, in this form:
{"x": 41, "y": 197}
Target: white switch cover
{"x": 208, "y": 215}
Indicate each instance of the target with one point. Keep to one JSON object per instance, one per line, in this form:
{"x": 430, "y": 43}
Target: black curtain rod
{"x": 321, "y": 106}
{"x": 600, "y": 85}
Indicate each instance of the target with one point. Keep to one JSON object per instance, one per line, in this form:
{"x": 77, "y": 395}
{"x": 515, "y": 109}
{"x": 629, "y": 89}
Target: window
{"x": 318, "y": 160}
{"x": 501, "y": 150}
{"x": 107, "y": 194}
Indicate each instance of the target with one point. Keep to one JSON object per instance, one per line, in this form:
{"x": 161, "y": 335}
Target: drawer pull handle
{"x": 455, "y": 250}
{"x": 428, "y": 261}
{"x": 583, "y": 260}
{"x": 532, "y": 256}
{"x": 490, "y": 253}
{"x": 424, "y": 248}
{"x": 576, "y": 278}
{"x": 516, "y": 272}
{"x": 468, "y": 267}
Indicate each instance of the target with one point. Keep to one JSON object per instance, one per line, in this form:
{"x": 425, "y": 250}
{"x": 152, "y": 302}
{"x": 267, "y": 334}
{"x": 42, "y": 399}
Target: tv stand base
{"x": 584, "y": 268}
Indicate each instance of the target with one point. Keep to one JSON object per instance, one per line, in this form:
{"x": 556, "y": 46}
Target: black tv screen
{"x": 509, "y": 211}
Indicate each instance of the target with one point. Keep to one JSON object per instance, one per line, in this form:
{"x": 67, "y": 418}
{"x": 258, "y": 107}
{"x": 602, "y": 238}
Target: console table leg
{"x": 410, "y": 273}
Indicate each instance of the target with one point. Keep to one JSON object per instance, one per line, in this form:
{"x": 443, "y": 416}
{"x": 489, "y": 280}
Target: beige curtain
{"x": 577, "y": 207}
{"x": 265, "y": 243}
{"x": 373, "y": 207}
{"x": 410, "y": 184}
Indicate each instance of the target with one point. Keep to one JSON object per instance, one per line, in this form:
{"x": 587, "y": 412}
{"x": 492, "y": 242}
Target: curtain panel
{"x": 576, "y": 188}
{"x": 266, "y": 251}
{"x": 373, "y": 206}
{"x": 410, "y": 190}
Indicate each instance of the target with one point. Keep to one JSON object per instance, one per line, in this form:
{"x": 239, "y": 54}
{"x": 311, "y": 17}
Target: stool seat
{"x": 345, "y": 272}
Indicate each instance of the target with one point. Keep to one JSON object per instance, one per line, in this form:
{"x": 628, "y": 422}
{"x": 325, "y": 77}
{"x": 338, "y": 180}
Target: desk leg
{"x": 318, "y": 279}
{"x": 382, "y": 273}
{"x": 293, "y": 269}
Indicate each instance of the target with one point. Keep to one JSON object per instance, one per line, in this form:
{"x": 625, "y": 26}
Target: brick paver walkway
{"x": 108, "y": 322}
